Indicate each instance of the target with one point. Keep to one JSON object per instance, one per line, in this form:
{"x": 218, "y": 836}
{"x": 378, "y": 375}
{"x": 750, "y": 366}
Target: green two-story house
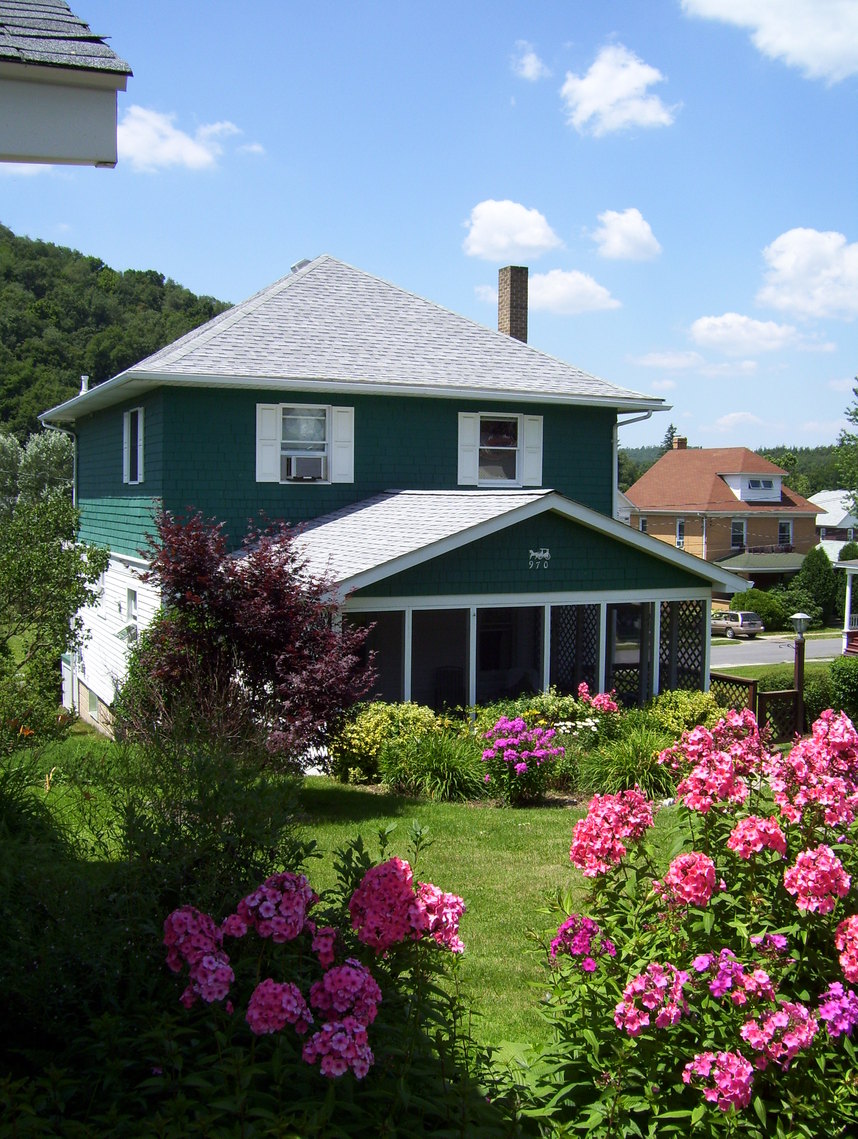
{"x": 457, "y": 485}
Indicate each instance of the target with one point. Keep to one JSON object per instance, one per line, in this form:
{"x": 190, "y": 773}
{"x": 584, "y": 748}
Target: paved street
{"x": 770, "y": 650}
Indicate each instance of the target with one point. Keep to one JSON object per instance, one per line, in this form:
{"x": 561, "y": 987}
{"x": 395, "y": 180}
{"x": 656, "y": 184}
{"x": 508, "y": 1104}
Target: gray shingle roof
{"x": 47, "y": 32}
{"x": 395, "y": 525}
{"x": 330, "y": 324}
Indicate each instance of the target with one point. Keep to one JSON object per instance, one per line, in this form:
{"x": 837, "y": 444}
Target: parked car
{"x": 737, "y": 623}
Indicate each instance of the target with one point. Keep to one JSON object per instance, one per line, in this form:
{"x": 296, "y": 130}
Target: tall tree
{"x": 669, "y": 436}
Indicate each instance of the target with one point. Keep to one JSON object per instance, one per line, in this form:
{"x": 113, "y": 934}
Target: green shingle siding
{"x": 118, "y": 523}
{"x": 581, "y": 560}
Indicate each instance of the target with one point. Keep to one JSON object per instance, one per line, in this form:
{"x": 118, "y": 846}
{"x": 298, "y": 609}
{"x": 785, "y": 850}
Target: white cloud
{"x": 502, "y": 231}
{"x": 843, "y": 385}
{"x": 732, "y": 370}
{"x": 820, "y": 37}
{"x": 812, "y": 273}
{"x": 613, "y": 94}
{"x": 737, "y": 419}
{"x": 149, "y": 141}
{"x": 626, "y": 236}
{"x": 25, "y": 169}
{"x": 252, "y": 148}
{"x": 568, "y": 292}
{"x": 486, "y": 294}
{"x": 663, "y": 385}
{"x": 526, "y": 63}
{"x": 738, "y": 335}
{"x": 669, "y": 361}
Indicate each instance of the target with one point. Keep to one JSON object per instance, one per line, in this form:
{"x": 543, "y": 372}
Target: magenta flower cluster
{"x": 601, "y": 702}
{"x": 599, "y": 839}
{"x": 726, "y": 1078}
{"x": 385, "y": 909}
{"x": 658, "y": 990}
{"x": 818, "y": 778}
{"x": 715, "y": 765}
{"x": 817, "y": 880}
{"x": 517, "y": 750}
{"x": 581, "y": 937}
{"x": 689, "y": 881}
{"x": 728, "y": 976}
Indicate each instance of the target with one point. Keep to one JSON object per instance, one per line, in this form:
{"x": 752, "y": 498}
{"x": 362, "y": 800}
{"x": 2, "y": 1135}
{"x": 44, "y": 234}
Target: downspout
{"x": 615, "y": 448}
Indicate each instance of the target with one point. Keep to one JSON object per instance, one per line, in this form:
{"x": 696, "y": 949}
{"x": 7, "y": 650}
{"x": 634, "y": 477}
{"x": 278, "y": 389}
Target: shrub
{"x": 544, "y": 709}
{"x": 708, "y": 993}
{"x": 843, "y": 675}
{"x": 675, "y": 712}
{"x": 629, "y": 759}
{"x": 437, "y": 765}
{"x": 767, "y": 604}
{"x": 518, "y": 760}
{"x": 357, "y": 745}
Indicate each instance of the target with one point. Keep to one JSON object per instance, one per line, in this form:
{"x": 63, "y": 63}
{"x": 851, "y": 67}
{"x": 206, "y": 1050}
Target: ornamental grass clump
{"x": 708, "y": 989}
{"x": 517, "y": 760}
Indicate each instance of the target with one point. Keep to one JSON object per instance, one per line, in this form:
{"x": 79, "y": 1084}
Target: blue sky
{"x": 679, "y": 175}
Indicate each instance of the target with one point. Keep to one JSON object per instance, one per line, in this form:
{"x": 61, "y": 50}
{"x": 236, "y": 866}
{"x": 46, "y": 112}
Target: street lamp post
{"x": 800, "y": 622}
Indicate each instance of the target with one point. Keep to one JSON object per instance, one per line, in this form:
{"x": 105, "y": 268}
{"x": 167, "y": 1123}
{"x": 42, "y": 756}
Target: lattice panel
{"x": 733, "y": 691}
{"x": 680, "y": 650}
{"x": 777, "y": 710}
{"x": 574, "y": 646}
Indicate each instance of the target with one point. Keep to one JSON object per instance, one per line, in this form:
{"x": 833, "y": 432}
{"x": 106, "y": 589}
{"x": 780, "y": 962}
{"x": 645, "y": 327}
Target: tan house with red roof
{"x": 726, "y": 505}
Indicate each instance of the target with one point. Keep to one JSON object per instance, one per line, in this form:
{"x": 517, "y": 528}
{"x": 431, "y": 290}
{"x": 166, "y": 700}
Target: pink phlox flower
{"x": 347, "y": 989}
{"x": 324, "y": 945}
{"x": 520, "y": 768}
{"x": 601, "y": 702}
{"x": 581, "y": 937}
{"x": 689, "y": 881}
{"x": 384, "y": 908}
{"x": 779, "y": 1036}
{"x": 771, "y": 944}
{"x": 442, "y": 912}
{"x": 657, "y": 990}
{"x": 233, "y": 926}
{"x": 846, "y": 941}
{"x": 515, "y": 743}
{"x": 753, "y": 834}
{"x": 816, "y": 880}
{"x": 715, "y": 765}
{"x": 838, "y": 1009}
{"x": 193, "y": 939}
{"x": 278, "y": 908}
{"x": 725, "y": 1078}
{"x": 598, "y": 840}
{"x": 274, "y": 1004}
{"x": 819, "y": 776}
{"x": 340, "y": 1045}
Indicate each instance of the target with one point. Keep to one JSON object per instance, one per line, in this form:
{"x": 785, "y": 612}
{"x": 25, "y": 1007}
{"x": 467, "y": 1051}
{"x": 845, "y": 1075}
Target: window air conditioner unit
{"x": 309, "y": 468}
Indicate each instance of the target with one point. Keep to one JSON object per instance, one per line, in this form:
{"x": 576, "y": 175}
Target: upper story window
{"x": 642, "y": 523}
{"x": 737, "y": 534}
{"x": 680, "y": 533}
{"x": 785, "y": 533}
{"x": 500, "y": 449}
{"x": 132, "y": 446}
{"x": 304, "y": 443}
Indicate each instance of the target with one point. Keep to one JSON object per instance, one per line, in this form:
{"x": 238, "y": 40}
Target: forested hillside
{"x": 63, "y": 315}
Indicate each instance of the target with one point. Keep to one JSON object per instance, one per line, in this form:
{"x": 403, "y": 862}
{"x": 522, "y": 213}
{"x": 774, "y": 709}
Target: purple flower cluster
{"x": 581, "y": 937}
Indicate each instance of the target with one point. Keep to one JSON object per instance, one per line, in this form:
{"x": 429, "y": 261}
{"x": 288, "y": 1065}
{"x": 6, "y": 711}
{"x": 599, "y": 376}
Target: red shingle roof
{"x": 692, "y": 480}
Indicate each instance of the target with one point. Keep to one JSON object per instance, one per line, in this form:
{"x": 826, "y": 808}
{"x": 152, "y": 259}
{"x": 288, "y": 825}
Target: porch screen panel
{"x": 387, "y": 641}
{"x": 509, "y": 652}
{"x": 629, "y": 652}
{"x": 439, "y": 657}
{"x": 681, "y": 645}
{"x": 574, "y": 647}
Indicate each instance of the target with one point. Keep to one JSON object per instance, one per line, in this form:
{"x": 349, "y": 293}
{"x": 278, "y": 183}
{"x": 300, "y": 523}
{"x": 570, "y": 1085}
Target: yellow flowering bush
{"x": 354, "y": 751}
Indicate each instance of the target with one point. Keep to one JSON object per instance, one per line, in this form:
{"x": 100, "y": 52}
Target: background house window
{"x": 304, "y": 443}
{"x": 499, "y": 450}
{"x": 680, "y": 533}
{"x": 785, "y": 533}
{"x": 737, "y": 534}
{"x": 642, "y": 524}
{"x": 132, "y": 446}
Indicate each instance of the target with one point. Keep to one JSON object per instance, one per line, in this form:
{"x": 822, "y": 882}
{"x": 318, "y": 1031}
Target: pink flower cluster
{"x": 601, "y": 702}
{"x": 273, "y": 1005}
{"x": 581, "y": 937}
{"x": 657, "y": 990}
{"x": 278, "y": 908}
{"x": 729, "y": 976}
{"x": 754, "y": 834}
{"x": 727, "y": 1078}
{"x": 348, "y": 988}
{"x": 385, "y": 910}
{"x": 779, "y": 1036}
{"x": 598, "y": 840}
{"x": 819, "y": 776}
{"x": 846, "y": 941}
{"x": 689, "y": 881}
{"x": 340, "y": 1045}
{"x": 838, "y": 1009}
{"x": 192, "y": 938}
{"x": 325, "y": 941}
{"x": 519, "y": 746}
{"x": 817, "y": 880}
{"x": 715, "y": 765}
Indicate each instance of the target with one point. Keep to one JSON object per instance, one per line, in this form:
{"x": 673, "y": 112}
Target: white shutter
{"x": 531, "y": 470}
{"x": 267, "y": 442}
{"x": 139, "y": 444}
{"x": 342, "y": 444}
{"x": 469, "y": 448}
{"x": 126, "y": 446}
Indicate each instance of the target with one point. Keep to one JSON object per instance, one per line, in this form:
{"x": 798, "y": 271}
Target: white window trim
{"x": 788, "y": 523}
{"x": 528, "y": 464}
{"x": 339, "y": 438}
{"x": 126, "y": 445}
{"x": 744, "y": 524}
{"x": 680, "y": 540}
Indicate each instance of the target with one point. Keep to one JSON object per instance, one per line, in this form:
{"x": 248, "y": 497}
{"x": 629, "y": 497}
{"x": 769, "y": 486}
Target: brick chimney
{"x": 680, "y": 443}
{"x": 512, "y": 301}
